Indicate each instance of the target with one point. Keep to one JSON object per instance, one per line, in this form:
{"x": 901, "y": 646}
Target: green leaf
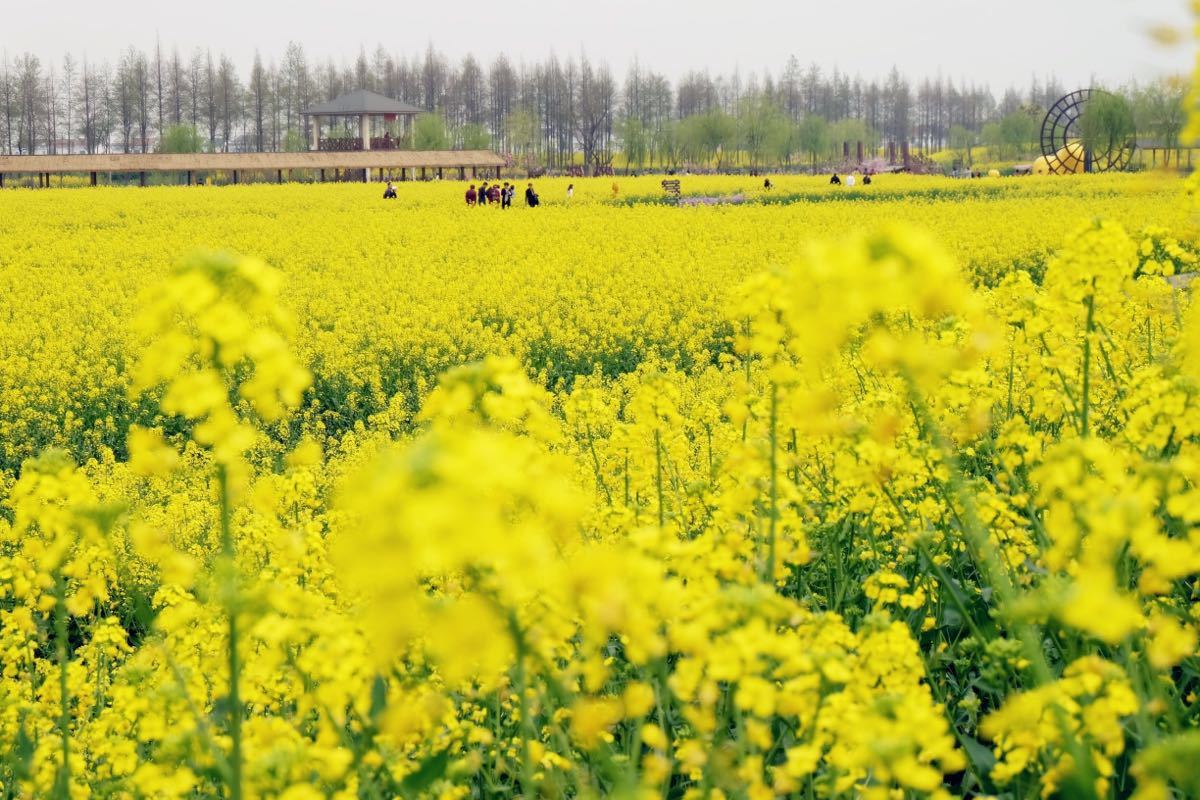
{"x": 430, "y": 770}
{"x": 378, "y": 697}
{"x": 980, "y": 754}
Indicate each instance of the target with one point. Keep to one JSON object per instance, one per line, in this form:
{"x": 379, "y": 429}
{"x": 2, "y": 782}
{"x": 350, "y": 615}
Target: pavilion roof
{"x": 362, "y": 101}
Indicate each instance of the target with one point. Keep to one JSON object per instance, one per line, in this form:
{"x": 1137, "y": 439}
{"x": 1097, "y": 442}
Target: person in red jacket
{"x": 471, "y": 196}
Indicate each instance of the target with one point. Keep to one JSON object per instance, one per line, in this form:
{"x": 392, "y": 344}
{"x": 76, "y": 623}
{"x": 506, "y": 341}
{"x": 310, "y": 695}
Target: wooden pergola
{"x": 366, "y": 107}
{"x": 404, "y": 164}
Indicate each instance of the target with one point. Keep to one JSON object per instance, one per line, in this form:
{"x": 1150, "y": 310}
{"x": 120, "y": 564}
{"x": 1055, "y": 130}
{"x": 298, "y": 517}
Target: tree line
{"x": 553, "y": 113}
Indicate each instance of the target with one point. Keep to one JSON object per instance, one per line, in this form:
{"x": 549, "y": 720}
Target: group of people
{"x": 850, "y": 179}
{"x": 502, "y": 194}
{"x": 495, "y": 193}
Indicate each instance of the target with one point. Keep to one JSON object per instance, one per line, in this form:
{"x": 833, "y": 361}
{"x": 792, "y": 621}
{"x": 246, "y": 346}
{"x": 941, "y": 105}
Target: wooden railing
{"x": 347, "y": 144}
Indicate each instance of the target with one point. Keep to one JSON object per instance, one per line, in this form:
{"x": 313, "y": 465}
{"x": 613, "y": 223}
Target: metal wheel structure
{"x": 1061, "y": 139}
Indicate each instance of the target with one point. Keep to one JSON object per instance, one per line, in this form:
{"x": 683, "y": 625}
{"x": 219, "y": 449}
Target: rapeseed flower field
{"x": 885, "y": 493}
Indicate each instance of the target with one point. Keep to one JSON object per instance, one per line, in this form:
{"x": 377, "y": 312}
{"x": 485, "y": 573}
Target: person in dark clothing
{"x": 767, "y": 184}
{"x": 835, "y": 180}
{"x": 483, "y": 193}
{"x": 471, "y": 195}
{"x": 867, "y": 179}
{"x": 390, "y": 192}
{"x": 531, "y": 198}
{"x": 494, "y": 194}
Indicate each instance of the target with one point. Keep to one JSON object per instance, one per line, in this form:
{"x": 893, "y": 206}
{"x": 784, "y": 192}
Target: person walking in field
{"x": 531, "y": 198}
{"x": 835, "y": 180}
{"x": 471, "y": 195}
{"x": 570, "y": 190}
{"x": 494, "y": 193}
{"x": 390, "y": 192}
{"x": 483, "y": 193}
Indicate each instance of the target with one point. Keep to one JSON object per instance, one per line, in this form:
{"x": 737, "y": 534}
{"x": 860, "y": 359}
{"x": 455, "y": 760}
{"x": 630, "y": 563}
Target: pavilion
{"x": 366, "y": 107}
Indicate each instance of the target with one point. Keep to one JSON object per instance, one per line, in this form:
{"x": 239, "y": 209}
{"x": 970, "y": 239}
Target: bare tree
{"x": 160, "y": 97}
{"x": 176, "y": 87}
{"x": 230, "y": 100}
{"x": 50, "y": 110}
{"x": 258, "y": 101}
{"x": 29, "y": 90}
{"x": 66, "y": 92}
{"x": 595, "y": 98}
{"x": 211, "y": 91}
{"x": 8, "y": 112}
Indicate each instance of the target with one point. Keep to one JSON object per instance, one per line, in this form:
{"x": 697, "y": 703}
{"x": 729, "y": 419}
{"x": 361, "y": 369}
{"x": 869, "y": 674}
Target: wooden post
{"x": 93, "y": 179}
{"x": 322, "y": 175}
{"x": 473, "y": 174}
{"x": 142, "y": 178}
{"x": 403, "y": 173}
{"x": 422, "y": 173}
{"x": 189, "y": 177}
{"x": 367, "y": 175}
{"x": 439, "y": 173}
{"x": 279, "y": 176}
{"x": 497, "y": 172}
{"x": 462, "y": 173}
{"x": 235, "y": 177}
{"x": 1, "y": 180}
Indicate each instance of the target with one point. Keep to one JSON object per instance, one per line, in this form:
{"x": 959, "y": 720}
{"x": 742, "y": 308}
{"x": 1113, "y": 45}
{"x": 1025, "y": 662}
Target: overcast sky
{"x": 1001, "y": 42}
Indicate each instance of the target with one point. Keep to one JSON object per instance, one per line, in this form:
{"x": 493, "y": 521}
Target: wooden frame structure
{"x": 404, "y": 162}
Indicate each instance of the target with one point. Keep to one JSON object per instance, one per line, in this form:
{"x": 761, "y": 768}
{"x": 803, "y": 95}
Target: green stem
{"x": 658, "y": 482}
{"x": 769, "y": 577}
{"x": 596, "y": 465}
{"x": 1012, "y": 358}
{"x": 1087, "y": 359}
{"x": 514, "y": 628}
{"x": 235, "y": 700}
{"x": 993, "y": 570}
{"x": 62, "y": 787}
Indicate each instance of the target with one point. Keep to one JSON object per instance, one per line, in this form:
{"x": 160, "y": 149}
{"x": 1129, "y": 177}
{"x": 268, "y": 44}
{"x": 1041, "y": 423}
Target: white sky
{"x": 1000, "y": 42}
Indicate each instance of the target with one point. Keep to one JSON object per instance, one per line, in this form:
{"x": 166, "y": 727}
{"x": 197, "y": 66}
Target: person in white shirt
{"x": 849, "y": 180}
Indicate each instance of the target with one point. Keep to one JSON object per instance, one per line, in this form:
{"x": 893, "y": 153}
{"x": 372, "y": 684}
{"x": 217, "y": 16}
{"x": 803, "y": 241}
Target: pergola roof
{"x": 363, "y": 101}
